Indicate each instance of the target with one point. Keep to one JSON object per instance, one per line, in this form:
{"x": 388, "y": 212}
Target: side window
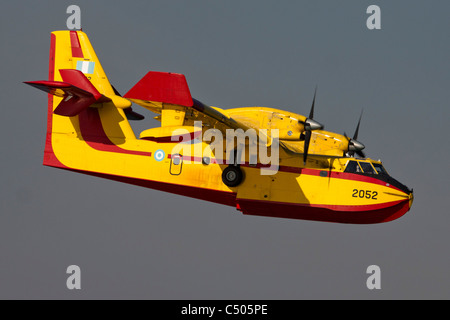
{"x": 367, "y": 167}
{"x": 353, "y": 167}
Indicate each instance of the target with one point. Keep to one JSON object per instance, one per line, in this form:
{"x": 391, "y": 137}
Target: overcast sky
{"x": 132, "y": 242}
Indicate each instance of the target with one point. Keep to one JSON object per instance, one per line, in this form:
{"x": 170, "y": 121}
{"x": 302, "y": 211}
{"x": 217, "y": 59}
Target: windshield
{"x": 353, "y": 167}
{"x": 380, "y": 169}
{"x": 367, "y": 167}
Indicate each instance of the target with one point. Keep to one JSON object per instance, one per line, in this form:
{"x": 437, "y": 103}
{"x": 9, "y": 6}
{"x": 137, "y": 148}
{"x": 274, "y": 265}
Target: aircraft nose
{"x": 411, "y": 198}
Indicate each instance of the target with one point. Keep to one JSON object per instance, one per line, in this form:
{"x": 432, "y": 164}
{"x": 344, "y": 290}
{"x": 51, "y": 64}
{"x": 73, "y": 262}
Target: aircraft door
{"x": 176, "y": 164}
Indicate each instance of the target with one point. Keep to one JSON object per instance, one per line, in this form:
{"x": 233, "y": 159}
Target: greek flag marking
{"x": 86, "y": 66}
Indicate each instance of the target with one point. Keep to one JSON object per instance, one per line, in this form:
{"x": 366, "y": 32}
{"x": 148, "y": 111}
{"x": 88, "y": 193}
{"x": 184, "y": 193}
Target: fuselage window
{"x": 353, "y": 167}
{"x": 367, "y": 167}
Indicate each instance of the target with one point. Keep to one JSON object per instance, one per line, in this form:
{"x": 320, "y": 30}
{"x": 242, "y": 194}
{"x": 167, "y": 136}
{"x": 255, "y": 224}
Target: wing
{"x": 219, "y": 116}
{"x": 168, "y": 94}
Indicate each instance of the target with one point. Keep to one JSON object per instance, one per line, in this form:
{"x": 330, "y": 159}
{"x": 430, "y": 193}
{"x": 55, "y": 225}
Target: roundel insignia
{"x": 159, "y": 155}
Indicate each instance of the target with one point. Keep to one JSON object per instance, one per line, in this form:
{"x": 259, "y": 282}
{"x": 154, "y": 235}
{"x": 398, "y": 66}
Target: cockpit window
{"x": 353, "y": 167}
{"x": 367, "y": 167}
{"x": 380, "y": 169}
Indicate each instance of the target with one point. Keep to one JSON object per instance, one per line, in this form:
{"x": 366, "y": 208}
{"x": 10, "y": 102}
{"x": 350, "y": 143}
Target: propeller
{"x": 306, "y": 147}
{"x": 309, "y": 125}
{"x": 353, "y": 144}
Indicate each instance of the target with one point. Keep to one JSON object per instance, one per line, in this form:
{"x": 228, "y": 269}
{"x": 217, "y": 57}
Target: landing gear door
{"x": 176, "y": 164}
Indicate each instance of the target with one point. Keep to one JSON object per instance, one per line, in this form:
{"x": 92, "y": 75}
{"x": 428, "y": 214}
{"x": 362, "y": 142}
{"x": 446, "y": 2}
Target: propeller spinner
{"x": 353, "y": 144}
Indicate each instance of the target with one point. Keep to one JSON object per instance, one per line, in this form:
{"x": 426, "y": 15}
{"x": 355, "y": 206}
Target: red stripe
{"x": 94, "y": 135}
{"x": 50, "y": 158}
{"x": 75, "y": 44}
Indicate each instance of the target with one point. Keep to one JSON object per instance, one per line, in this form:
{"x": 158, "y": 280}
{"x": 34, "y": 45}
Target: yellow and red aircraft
{"x": 316, "y": 175}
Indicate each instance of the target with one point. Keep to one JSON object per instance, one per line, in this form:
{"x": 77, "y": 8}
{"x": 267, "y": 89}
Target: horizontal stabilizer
{"x": 77, "y": 92}
{"x": 165, "y": 87}
{"x": 78, "y": 79}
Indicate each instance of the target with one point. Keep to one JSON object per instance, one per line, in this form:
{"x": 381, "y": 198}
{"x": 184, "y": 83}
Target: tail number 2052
{"x": 368, "y": 194}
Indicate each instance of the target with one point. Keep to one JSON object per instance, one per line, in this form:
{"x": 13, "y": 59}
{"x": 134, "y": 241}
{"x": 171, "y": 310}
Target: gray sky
{"x": 132, "y": 242}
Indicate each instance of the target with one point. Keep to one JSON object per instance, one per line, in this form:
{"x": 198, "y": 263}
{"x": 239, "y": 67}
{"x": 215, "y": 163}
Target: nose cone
{"x": 399, "y": 195}
{"x": 314, "y": 125}
{"x": 411, "y": 198}
{"x": 355, "y": 145}
{"x": 399, "y": 200}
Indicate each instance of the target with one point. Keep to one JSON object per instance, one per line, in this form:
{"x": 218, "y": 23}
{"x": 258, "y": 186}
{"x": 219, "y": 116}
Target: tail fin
{"x": 74, "y": 51}
{"x": 76, "y": 75}
{"x": 76, "y": 82}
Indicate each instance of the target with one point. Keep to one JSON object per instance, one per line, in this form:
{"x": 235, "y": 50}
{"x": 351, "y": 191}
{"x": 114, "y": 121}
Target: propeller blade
{"x": 354, "y": 146}
{"x": 311, "y": 113}
{"x": 346, "y": 136}
{"x": 360, "y": 153}
{"x": 355, "y": 136}
{"x": 306, "y": 147}
{"x": 309, "y": 123}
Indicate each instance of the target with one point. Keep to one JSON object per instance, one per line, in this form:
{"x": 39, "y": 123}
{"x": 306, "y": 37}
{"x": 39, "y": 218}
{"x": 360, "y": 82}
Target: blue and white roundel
{"x": 159, "y": 155}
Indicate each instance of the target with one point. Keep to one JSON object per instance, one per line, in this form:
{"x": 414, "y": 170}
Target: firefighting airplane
{"x": 317, "y": 175}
